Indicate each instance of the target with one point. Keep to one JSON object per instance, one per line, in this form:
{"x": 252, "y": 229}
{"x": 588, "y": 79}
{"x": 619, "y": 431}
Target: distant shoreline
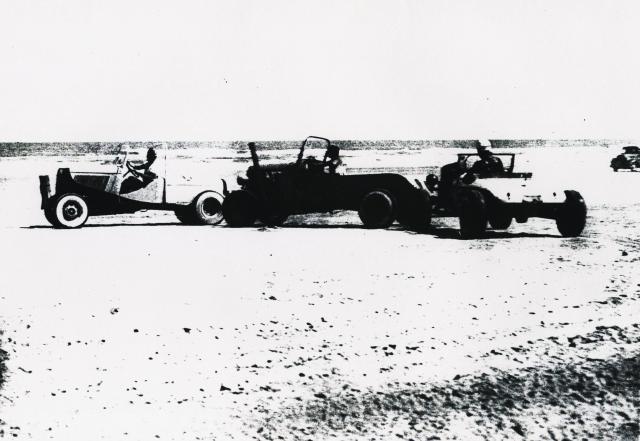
{"x": 18, "y": 149}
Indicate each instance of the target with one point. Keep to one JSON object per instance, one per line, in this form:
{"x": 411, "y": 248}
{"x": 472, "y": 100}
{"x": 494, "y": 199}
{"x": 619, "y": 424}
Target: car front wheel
{"x": 240, "y": 209}
{"x": 376, "y": 210}
{"x": 572, "y": 214}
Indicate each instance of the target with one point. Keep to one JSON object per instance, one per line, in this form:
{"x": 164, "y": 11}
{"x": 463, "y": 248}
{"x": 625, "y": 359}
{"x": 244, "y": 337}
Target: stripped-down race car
{"x": 124, "y": 187}
{"x": 629, "y": 159}
{"x": 272, "y": 192}
{"x": 482, "y": 188}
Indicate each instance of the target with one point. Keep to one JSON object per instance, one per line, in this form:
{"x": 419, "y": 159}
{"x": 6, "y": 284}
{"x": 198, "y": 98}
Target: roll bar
{"x": 304, "y": 143}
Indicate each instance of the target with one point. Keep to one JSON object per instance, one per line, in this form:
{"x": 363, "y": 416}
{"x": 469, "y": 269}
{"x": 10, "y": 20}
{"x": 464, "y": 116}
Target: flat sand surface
{"x": 137, "y": 327}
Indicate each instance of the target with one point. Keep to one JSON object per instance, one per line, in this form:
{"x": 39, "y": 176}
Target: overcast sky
{"x": 84, "y": 70}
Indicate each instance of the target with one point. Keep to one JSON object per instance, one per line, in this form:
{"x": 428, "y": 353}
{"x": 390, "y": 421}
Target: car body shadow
{"x": 146, "y": 224}
{"x": 454, "y": 233}
{"x": 440, "y": 233}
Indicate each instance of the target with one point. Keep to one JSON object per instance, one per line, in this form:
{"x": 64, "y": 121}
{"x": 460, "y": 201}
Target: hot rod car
{"x": 629, "y": 159}
{"x": 127, "y": 189}
{"x": 496, "y": 196}
{"x": 270, "y": 193}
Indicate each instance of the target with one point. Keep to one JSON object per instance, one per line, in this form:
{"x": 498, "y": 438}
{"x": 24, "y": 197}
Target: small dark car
{"x": 629, "y": 159}
{"x": 127, "y": 189}
{"x": 479, "y": 196}
{"x": 270, "y": 193}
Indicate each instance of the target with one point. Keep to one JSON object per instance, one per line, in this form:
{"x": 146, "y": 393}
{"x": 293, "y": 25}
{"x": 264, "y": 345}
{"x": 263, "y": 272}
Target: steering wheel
{"x": 131, "y": 170}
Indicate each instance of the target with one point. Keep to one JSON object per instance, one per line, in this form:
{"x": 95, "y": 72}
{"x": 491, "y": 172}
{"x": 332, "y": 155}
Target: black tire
{"x": 472, "y": 214}
{"x": 571, "y": 217}
{"x": 417, "y": 214}
{"x": 240, "y": 209}
{"x": 68, "y": 210}
{"x": 500, "y": 219}
{"x": 377, "y": 209}
{"x": 207, "y": 208}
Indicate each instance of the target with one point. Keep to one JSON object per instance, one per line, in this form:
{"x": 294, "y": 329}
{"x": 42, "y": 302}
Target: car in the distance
{"x": 629, "y": 159}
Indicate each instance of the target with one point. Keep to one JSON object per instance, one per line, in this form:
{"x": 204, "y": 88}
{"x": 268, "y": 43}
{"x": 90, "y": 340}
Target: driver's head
{"x": 481, "y": 144}
{"x": 151, "y": 154}
{"x": 333, "y": 152}
{"x": 485, "y": 153}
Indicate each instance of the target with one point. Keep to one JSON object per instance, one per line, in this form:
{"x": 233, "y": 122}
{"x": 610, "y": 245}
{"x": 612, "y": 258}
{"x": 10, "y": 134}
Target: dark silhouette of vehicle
{"x": 629, "y": 159}
{"x": 79, "y": 195}
{"x": 498, "y": 196}
{"x": 270, "y": 193}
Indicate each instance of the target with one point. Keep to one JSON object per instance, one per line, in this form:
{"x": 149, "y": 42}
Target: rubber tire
{"x": 204, "y": 205}
{"x": 571, "y": 217}
{"x": 417, "y": 215}
{"x": 499, "y": 219}
{"x": 377, "y": 209}
{"x": 58, "y": 205}
{"x": 239, "y": 209}
{"x": 472, "y": 214}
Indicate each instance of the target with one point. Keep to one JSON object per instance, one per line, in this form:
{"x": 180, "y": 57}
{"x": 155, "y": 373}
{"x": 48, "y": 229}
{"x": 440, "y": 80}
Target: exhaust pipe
{"x": 254, "y": 155}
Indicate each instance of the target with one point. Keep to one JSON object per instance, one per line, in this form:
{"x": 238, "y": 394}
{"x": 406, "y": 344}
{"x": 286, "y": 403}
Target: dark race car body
{"x": 270, "y": 193}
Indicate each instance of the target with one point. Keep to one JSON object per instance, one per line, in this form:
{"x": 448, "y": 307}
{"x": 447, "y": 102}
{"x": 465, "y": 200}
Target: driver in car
{"x": 140, "y": 179}
{"x": 488, "y": 164}
{"x": 329, "y": 164}
{"x": 332, "y": 159}
{"x": 147, "y": 175}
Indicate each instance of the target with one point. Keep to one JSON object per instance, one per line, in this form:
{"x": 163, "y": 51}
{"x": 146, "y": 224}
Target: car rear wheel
{"x": 472, "y": 214}
{"x": 207, "y": 208}
{"x": 571, "y": 217}
{"x": 377, "y": 210}
{"x": 68, "y": 211}
{"x": 239, "y": 209}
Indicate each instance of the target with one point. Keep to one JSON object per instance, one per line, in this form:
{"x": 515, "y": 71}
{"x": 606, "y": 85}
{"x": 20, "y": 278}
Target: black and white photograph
{"x": 319, "y": 220}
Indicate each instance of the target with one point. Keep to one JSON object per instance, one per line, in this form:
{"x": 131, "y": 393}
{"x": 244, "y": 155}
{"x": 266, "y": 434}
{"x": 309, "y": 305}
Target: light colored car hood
{"x": 517, "y": 190}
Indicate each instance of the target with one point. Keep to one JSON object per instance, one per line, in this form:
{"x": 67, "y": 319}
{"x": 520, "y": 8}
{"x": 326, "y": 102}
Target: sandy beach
{"x": 138, "y": 327}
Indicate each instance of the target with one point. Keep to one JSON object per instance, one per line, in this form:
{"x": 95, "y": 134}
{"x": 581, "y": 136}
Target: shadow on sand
{"x": 440, "y": 233}
{"x": 146, "y": 224}
{"x": 453, "y": 233}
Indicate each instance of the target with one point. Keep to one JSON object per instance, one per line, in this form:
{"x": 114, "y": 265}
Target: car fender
{"x": 184, "y": 194}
